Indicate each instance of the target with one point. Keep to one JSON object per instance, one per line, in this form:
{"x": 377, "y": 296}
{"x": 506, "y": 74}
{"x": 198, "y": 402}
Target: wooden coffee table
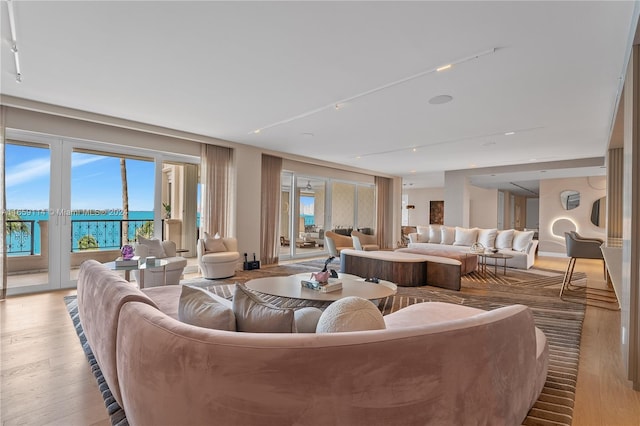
{"x": 289, "y": 286}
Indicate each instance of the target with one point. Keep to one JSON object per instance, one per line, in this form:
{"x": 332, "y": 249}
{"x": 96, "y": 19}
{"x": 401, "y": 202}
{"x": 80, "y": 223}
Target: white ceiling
{"x": 549, "y": 71}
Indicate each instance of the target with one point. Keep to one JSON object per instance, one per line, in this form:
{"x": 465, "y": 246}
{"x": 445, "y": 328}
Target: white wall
{"x": 483, "y": 207}
{"x": 421, "y": 198}
{"x": 551, "y": 211}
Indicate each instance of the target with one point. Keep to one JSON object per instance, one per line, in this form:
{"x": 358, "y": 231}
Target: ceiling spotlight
{"x": 509, "y": 133}
{"x": 19, "y": 78}
{"x": 256, "y": 131}
{"x": 308, "y": 187}
{"x": 444, "y": 67}
{"x": 414, "y": 149}
{"x": 440, "y": 99}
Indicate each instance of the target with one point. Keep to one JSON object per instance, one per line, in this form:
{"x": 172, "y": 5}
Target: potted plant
{"x": 167, "y": 210}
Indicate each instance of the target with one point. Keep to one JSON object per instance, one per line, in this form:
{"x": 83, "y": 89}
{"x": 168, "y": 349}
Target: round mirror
{"x": 598, "y": 212}
{"x": 570, "y": 199}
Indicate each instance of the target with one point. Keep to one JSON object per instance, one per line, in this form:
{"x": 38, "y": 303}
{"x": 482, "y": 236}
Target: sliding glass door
{"x": 72, "y": 200}
{"x": 311, "y": 205}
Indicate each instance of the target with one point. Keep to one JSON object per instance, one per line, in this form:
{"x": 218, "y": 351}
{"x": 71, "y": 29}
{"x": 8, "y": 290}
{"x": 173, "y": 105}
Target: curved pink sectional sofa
{"x": 435, "y": 363}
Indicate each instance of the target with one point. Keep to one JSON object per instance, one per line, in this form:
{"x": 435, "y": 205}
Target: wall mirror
{"x": 570, "y": 199}
{"x": 598, "y": 212}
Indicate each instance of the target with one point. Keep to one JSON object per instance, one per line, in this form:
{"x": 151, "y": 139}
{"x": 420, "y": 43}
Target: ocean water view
{"x": 102, "y": 225}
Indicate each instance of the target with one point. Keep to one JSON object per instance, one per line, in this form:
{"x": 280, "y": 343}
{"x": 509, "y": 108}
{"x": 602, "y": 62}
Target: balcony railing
{"x": 20, "y": 237}
{"x": 23, "y": 240}
{"x": 107, "y": 234}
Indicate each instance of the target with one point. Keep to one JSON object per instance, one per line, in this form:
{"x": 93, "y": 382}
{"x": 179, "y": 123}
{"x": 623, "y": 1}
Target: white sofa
{"x": 519, "y": 244}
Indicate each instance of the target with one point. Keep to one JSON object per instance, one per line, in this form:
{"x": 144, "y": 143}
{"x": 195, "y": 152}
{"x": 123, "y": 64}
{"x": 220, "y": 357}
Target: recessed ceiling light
{"x": 472, "y": 165}
{"x": 307, "y": 135}
{"x": 488, "y": 143}
{"x": 509, "y": 133}
{"x": 414, "y": 149}
{"x": 256, "y": 131}
{"x": 440, "y": 99}
{"x": 412, "y": 171}
{"x": 444, "y": 67}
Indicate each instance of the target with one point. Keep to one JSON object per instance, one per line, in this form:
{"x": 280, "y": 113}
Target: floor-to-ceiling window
{"x": 74, "y": 200}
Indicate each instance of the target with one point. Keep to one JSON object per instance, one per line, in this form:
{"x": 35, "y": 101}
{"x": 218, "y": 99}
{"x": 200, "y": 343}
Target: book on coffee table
{"x": 332, "y": 285}
{"x": 121, "y": 263}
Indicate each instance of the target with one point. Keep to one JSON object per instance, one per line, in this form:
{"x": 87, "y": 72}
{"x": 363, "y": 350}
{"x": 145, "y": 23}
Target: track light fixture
{"x": 14, "y": 42}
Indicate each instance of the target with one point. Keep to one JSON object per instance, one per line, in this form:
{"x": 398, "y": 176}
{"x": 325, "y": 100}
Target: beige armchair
{"x": 364, "y": 241}
{"x": 217, "y": 257}
{"x": 165, "y": 250}
{"x": 336, "y": 242}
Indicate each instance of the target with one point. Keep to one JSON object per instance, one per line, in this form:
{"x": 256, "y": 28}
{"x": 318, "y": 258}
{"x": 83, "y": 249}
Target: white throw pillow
{"x": 521, "y": 240}
{"x": 350, "y": 314}
{"x": 435, "y": 235}
{"x": 255, "y": 315}
{"x": 447, "y": 235}
{"x": 154, "y": 245}
{"x": 465, "y": 236}
{"x": 214, "y": 245}
{"x": 306, "y": 319}
{"x": 487, "y": 237}
{"x": 423, "y": 234}
{"x": 504, "y": 239}
{"x": 202, "y": 308}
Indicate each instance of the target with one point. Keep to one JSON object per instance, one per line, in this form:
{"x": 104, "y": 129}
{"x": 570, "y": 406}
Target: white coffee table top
{"x": 352, "y": 285}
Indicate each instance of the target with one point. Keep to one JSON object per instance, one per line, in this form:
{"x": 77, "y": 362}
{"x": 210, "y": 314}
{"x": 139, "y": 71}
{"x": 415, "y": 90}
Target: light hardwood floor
{"x": 45, "y": 378}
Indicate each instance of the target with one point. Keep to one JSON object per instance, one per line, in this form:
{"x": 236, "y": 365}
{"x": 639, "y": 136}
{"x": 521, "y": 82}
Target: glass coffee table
{"x": 496, "y": 257}
{"x": 160, "y": 263}
{"x": 289, "y": 286}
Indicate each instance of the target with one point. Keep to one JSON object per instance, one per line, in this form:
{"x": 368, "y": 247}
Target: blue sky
{"x": 95, "y": 180}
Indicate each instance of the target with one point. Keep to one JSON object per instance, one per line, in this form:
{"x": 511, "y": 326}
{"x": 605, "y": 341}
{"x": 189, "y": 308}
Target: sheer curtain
{"x": 383, "y": 189}
{"x": 216, "y": 189}
{"x": 270, "y": 205}
{"x": 3, "y": 215}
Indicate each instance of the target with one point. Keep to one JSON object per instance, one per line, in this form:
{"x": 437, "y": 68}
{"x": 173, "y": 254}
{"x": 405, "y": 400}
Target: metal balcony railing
{"x": 20, "y": 237}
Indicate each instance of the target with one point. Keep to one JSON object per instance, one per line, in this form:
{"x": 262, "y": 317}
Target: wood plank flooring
{"x": 45, "y": 378}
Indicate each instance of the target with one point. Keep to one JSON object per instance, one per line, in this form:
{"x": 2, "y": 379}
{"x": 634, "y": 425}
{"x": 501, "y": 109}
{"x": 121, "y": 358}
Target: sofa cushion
{"x": 465, "y": 236}
{"x": 487, "y": 237}
{"x": 521, "y": 240}
{"x": 214, "y": 245}
{"x": 306, "y": 319}
{"x": 504, "y": 239}
{"x": 255, "y": 315}
{"x": 154, "y": 245}
{"x": 202, "y": 308}
{"x": 447, "y": 235}
{"x": 350, "y": 314}
{"x": 435, "y": 235}
{"x": 423, "y": 234}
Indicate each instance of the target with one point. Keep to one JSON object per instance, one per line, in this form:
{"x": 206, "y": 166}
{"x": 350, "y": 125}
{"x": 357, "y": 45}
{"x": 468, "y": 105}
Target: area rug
{"x": 116, "y": 413}
{"x": 560, "y": 320}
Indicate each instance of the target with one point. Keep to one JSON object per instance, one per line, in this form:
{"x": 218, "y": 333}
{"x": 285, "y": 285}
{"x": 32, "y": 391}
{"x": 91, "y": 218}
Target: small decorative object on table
{"x": 477, "y": 248}
{"x": 127, "y": 252}
{"x": 493, "y": 250}
{"x": 324, "y": 281}
{"x": 128, "y": 259}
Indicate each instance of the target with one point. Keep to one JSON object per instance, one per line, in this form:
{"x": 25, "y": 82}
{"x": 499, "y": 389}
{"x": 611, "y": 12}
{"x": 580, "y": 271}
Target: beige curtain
{"x": 383, "y": 190}
{"x": 216, "y": 168}
{"x": 3, "y": 215}
{"x": 270, "y": 206}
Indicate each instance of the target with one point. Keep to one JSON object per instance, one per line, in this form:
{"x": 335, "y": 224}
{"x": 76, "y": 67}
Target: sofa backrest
{"x": 101, "y": 295}
{"x": 473, "y": 370}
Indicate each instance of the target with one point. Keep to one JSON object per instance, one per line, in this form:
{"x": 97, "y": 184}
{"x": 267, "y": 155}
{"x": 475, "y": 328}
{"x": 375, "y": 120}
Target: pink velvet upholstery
{"x": 435, "y": 363}
{"x": 101, "y": 295}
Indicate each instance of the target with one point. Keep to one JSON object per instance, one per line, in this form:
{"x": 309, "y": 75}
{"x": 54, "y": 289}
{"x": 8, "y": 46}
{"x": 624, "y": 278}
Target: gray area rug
{"x": 560, "y": 320}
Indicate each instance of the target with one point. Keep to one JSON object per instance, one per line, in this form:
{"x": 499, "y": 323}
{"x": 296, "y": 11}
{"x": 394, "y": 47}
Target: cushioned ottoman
{"x": 469, "y": 261}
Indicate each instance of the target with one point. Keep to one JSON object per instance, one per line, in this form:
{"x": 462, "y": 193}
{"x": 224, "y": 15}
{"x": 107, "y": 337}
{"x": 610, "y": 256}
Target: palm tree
{"x": 125, "y": 201}
{"x": 15, "y": 226}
